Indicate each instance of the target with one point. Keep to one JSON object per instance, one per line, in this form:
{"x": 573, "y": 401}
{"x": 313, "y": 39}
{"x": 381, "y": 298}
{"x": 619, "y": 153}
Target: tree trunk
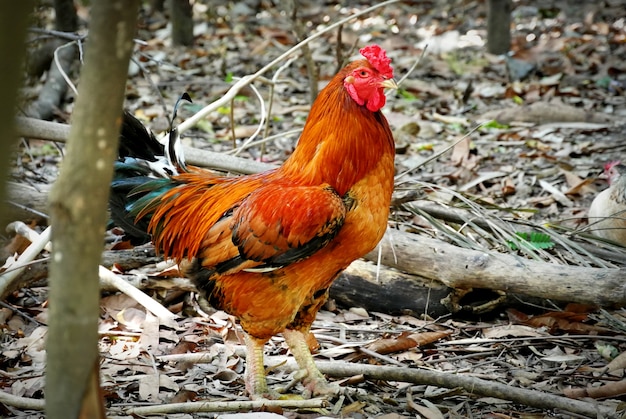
{"x": 66, "y": 18}
{"x": 78, "y": 203}
{"x": 13, "y": 21}
{"x": 55, "y": 88}
{"x": 498, "y": 26}
{"x": 157, "y": 5}
{"x": 182, "y": 23}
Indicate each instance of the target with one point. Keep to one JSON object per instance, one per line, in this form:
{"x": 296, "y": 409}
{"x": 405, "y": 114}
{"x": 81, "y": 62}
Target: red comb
{"x": 607, "y": 166}
{"x": 377, "y": 57}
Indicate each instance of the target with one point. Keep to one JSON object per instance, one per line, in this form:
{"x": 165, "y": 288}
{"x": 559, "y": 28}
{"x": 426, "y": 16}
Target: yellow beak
{"x": 389, "y": 84}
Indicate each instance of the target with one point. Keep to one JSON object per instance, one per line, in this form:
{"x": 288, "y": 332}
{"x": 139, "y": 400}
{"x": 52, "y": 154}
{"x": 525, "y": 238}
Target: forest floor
{"x": 560, "y": 104}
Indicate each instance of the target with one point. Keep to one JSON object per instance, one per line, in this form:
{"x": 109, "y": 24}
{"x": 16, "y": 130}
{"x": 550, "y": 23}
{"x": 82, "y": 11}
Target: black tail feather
{"x": 136, "y": 141}
{"x": 141, "y": 160}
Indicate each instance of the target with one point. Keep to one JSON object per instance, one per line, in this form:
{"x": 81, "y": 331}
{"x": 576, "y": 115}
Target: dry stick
{"x": 109, "y": 278}
{"x": 227, "y": 161}
{"x": 189, "y": 407}
{"x": 42, "y": 241}
{"x": 232, "y": 92}
{"x": 472, "y": 385}
{"x": 264, "y": 115}
{"x": 272, "y": 84}
{"x": 338, "y": 49}
{"x": 18, "y": 227}
{"x": 35, "y": 128}
{"x": 22, "y": 403}
{"x": 27, "y": 256}
{"x": 54, "y": 88}
{"x": 311, "y": 68}
{"x": 193, "y": 407}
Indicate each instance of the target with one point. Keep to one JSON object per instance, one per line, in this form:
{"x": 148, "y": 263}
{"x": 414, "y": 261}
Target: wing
{"x": 274, "y": 226}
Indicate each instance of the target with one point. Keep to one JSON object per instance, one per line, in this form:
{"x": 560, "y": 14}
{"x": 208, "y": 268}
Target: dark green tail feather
{"x": 140, "y": 175}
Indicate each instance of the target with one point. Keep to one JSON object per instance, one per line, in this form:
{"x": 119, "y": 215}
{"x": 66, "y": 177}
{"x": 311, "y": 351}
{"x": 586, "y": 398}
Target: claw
{"x": 315, "y": 388}
{"x": 312, "y": 379}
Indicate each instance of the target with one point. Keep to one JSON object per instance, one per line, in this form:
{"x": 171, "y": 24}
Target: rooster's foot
{"x": 314, "y": 383}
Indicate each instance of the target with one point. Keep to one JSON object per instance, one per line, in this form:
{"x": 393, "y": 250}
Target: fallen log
{"x": 460, "y": 268}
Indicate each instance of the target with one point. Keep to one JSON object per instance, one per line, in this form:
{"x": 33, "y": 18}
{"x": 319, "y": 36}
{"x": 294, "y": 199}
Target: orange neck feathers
{"x": 342, "y": 141}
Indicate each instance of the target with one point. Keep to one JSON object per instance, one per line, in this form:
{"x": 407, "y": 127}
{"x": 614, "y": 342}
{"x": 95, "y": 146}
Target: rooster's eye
{"x": 363, "y": 73}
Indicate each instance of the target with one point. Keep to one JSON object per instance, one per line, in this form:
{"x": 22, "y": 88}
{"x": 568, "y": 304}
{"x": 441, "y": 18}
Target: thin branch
{"x": 57, "y": 62}
{"x": 108, "y": 278}
{"x": 22, "y": 403}
{"x": 264, "y": 116}
{"x": 232, "y": 92}
{"x": 27, "y": 256}
{"x": 472, "y": 385}
{"x": 235, "y": 406}
{"x": 272, "y": 84}
{"x": 36, "y": 128}
{"x": 442, "y": 151}
{"x": 413, "y": 67}
{"x": 311, "y": 67}
{"x": 70, "y": 36}
{"x": 18, "y": 227}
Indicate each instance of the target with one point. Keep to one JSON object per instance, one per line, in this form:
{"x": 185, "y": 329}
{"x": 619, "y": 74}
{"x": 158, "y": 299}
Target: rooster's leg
{"x": 312, "y": 379}
{"x": 256, "y": 383}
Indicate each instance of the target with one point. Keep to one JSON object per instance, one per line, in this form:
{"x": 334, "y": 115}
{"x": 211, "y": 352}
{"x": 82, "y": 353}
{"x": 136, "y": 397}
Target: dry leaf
{"x": 405, "y": 341}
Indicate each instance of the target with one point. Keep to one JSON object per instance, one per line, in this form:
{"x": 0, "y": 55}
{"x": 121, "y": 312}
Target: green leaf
{"x": 494, "y": 124}
{"x": 223, "y": 110}
{"x": 406, "y": 94}
{"x": 534, "y": 240}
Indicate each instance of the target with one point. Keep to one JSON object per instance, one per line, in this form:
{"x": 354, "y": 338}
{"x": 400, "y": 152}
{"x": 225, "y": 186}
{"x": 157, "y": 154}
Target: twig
{"x": 20, "y": 313}
{"x": 265, "y": 140}
{"x": 22, "y": 229}
{"x": 27, "y": 256}
{"x": 311, "y": 68}
{"x": 36, "y": 128}
{"x": 264, "y": 116}
{"x": 338, "y": 50}
{"x": 28, "y": 209}
{"x": 362, "y": 349}
{"x": 57, "y": 62}
{"x": 413, "y": 67}
{"x": 441, "y": 152}
{"x": 109, "y": 278}
{"x": 272, "y": 84}
{"x": 232, "y": 92}
{"x": 70, "y": 36}
{"x": 470, "y": 384}
{"x": 23, "y": 403}
{"x": 245, "y": 405}
{"x": 54, "y": 88}
{"x": 146, "y": 75}
{"x": 232, "y": 122}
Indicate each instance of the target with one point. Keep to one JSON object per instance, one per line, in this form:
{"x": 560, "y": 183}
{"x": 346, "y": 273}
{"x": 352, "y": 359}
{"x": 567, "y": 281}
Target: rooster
{"x": 266, "y": 247}
{"x": 607, "y": 213}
